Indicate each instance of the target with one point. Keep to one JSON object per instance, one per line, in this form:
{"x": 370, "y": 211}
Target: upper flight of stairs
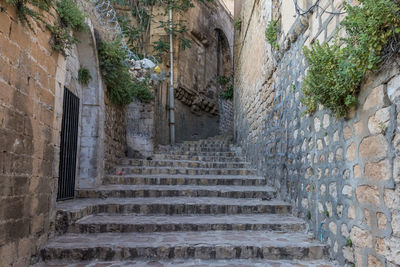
{"x": 196, "y": 204}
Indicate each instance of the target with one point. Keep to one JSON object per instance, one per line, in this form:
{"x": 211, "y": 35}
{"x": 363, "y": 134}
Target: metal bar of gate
{"x": 68, "y": 146}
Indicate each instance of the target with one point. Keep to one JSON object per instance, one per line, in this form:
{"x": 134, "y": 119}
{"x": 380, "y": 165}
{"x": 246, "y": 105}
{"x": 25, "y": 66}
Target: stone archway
{"x": 91, "y": 147}
{"x": 224, "y": 57}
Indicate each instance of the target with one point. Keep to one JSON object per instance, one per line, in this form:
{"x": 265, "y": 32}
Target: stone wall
{"x": 225, "y": 117}
{"x": 29, "y": 139}
{"x": 341, "y": 175}
{"x": 115, "y": 134}
{"x": 140, "y": 129}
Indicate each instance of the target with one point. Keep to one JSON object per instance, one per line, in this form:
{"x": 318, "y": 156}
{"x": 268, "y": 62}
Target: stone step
{"x": 185, "y": 245}
{"x": 69, "y": 212}
{"x": 126, "y": 170}
{"x": 201, "y": 149}
{"x": 107, "y": 191}
{"x": 194, "y": 263}
{"x": 198, "y": 158}
{"x": 104, "y": 223}
{"x": 208, "y": 142}
{"x": 205, "y": 145}
{"x": 184, "y": 180}
{"x": 183, "y": 163}
{"x": 196, "y": 153}
{"x": 213, "y": 145}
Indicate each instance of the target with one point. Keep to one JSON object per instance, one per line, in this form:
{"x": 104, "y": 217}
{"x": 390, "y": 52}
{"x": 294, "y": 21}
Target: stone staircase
{"x": 196, "y": 204}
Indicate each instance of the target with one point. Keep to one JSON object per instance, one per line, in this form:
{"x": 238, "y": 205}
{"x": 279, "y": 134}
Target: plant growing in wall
{"x": 228, "y": 93}
{"x": 336, "y": 72}
{"x": 71, "y": 18}
{"x": 116, "y": 76}
{"x": 31, "y": 10}
{"x": 271, "y": 33}
{"x": 223, "y": 80}
{"x": 84, "y": 76}
{"x": 326, "y": 213}
{"x": 349, "y": 243}
{"x": 308, "y": 215}
{"x": 237, "y": 24}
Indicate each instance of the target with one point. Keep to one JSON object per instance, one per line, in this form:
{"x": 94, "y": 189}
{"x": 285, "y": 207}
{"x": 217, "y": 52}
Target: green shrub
{"x": 308, "y": 215}
{"x": 326, "y": 213}
{"x": 84, "y": 76}
{"x": 142, "y": 90}
{"x": 227, "y": 94}
{"x": 237, "y": 24}
{"x": 349, "y": 243}
{"x": 71, "y": 16}
{"x": 223, "y": 80}
{"x": 116, "y": 76}
{"x": 271, "y": 33}
{"x": 335, "y": 73}
{"x": 62, "y": 40}
{"x": 71, "y": 19}
{"x": 26, "y": 14}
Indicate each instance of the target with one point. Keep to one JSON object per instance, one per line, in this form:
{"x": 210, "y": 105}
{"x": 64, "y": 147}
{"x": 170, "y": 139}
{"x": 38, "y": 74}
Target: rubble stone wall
{"x": 341, "y": 175}
{"x": 115, "y": 134}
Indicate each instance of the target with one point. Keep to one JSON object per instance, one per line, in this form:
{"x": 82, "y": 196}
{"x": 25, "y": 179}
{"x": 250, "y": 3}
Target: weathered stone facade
{"x": 340, "y": 173}
{"x": 32, "y": 79}
{"x": 29, "y": 137}
{"x": 196, "y": 69}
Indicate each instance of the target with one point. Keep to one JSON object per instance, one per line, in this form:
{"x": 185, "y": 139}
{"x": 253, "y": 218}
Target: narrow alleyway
{"x": 189, "y": 205}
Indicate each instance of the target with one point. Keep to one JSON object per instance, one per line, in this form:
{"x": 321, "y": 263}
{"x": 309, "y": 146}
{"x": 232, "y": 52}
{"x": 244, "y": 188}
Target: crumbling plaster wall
{"x": 344, "y": 173}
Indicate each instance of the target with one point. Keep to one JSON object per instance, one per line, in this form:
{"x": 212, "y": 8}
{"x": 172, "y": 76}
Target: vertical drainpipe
{"x": 171, "y": 87}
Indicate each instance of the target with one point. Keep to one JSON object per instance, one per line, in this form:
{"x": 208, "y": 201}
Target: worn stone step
{"x": 201, "y": 149}
{"x": 185, "y": 245}
{"x": 215, "y": 145}
{"x": 184, "y": 180}
{"x": 194, "y": 263}
{"x": 104, "y": 223}
{"x": 209, "y": 145}
{"x": 183, "y": 163}
{"x": 126, "y": 170}
{"x": 208, "y": 142}
{"x": 198, "y": 158}
{"x": 107, "y": 191}
{"x": 69, "y": 212}
{"x": 196, "y": 153}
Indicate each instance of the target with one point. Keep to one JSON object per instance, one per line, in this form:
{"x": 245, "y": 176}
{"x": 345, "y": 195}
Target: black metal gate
{"x": 68, "y": 146}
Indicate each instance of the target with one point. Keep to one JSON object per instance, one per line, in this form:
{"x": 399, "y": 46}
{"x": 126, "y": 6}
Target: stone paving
{"x": 221, "y": 212}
